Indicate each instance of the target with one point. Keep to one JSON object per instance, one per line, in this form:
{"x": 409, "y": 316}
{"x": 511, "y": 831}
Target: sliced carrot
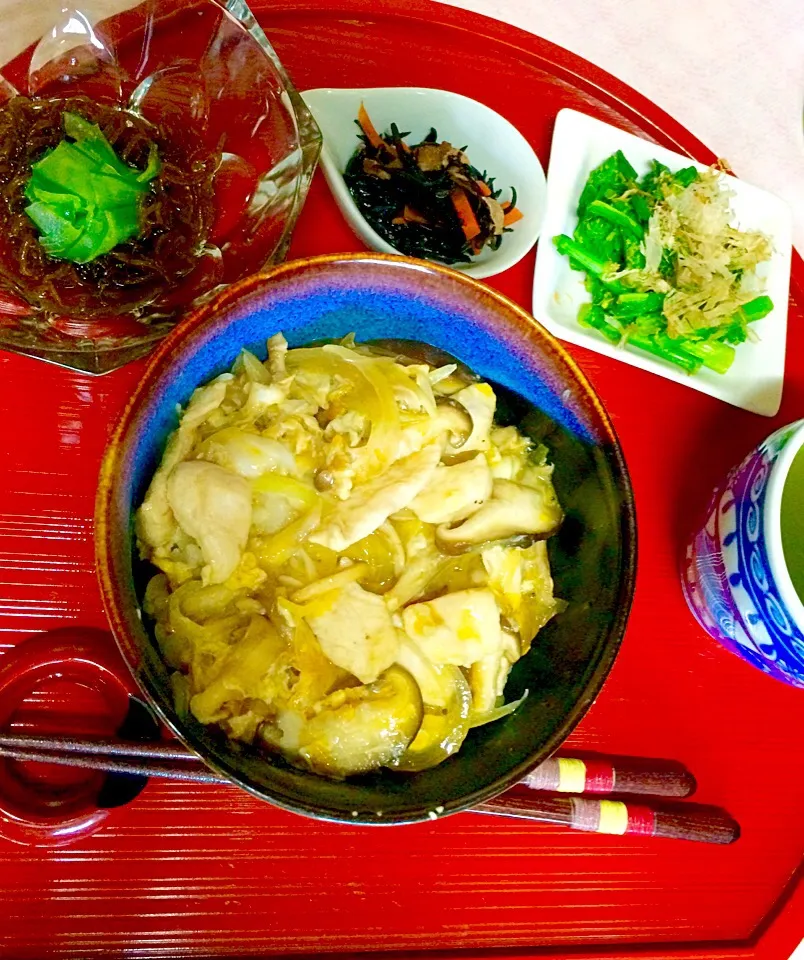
{"x": 512, "y": 216}
{"x": 485, "y": 189}
{"x": 413, "y": 216}
{"x": 368, "y": 127}
{"x": 409, "y": 215}
{"x": 505, "y": 205}
{"x": 469, "y": 224}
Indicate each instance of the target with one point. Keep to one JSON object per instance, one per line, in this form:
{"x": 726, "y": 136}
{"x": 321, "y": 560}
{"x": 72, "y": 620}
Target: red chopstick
{"x": 603, "y": 775}
{"x": 590, "y": 774}
{"x": 681, "y": 822}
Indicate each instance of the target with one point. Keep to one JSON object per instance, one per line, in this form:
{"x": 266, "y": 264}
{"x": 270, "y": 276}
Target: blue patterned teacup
{"x": 734, "y": 575}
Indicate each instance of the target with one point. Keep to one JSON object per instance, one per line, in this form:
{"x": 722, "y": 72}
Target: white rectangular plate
{"x": 580, "y": 144}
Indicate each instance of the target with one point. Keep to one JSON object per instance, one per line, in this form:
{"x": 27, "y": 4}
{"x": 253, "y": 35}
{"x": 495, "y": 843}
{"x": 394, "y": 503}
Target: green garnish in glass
{"x": 83, "y": 198}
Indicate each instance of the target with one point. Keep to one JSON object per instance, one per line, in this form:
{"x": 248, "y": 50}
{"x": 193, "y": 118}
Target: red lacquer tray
{"x": 196, "y": 871}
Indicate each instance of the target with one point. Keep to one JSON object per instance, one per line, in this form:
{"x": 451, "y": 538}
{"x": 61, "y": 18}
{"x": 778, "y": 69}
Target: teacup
{"x": 736, "y": 577}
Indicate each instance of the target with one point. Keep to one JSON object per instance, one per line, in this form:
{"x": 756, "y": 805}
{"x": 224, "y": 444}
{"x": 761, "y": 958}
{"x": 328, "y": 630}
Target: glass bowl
{"x": 201, "y": 71}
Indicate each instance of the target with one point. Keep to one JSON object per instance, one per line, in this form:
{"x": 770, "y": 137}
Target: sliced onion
{"x": 497, "y": 713}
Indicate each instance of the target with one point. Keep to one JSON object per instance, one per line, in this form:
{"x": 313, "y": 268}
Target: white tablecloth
{"x": 731, "y": 71}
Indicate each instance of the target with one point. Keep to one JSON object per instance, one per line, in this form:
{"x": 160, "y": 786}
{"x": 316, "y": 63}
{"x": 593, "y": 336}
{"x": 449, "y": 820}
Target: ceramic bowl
{"x": 539, "y": 388}
{"x": 735, "y": 577}
{"x": 190, "y": 66}
{"x": 492, "y": 144}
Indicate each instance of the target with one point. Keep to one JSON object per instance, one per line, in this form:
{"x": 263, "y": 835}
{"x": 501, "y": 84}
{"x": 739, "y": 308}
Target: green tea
{"x": 792, "y": 520}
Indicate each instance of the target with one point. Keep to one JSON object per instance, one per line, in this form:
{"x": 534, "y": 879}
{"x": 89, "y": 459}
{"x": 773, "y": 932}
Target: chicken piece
{"x": 203, "y": 402}
{"x": 155, "y": 523}
{"x": 247, "y": 454}
{"x": 488, "y": 676}
{"x": 454, "y": 493}
{"x": 513, "y": 509}
{"x": 414, "y": 436}
{"x": 459, "y": 628}
{"x": 521, "y": 581}
{"x": 213, "y": 506}
{"x": 357, "y": 633}
{"x": 370, "y": 504}
{"x": 261, "y": 397}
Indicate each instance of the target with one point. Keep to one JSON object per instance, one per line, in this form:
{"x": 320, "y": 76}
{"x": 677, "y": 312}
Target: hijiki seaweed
{"x": 175, "y": 215}
{"x": 426, "y": 200}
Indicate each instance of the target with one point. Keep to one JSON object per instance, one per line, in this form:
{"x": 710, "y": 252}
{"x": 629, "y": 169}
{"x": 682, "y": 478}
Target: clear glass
{"x": 200, "y": 65}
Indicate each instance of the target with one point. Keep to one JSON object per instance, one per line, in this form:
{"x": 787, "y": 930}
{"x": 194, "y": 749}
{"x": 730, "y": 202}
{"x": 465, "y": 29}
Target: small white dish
{"x": 581, "y": 143}
{"x": 492, "y": 144}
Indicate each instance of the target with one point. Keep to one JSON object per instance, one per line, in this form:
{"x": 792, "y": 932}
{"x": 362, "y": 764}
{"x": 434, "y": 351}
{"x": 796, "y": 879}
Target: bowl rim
{"x": 597, "y": 670}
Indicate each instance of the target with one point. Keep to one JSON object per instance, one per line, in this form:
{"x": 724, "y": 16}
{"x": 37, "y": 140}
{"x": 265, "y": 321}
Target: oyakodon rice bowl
{"x": 355, "y": 540}
{"x": 353, "y": 556}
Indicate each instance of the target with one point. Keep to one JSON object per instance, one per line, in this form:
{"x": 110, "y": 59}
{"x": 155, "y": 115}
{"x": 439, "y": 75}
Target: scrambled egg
{"x": 352, "y": 556}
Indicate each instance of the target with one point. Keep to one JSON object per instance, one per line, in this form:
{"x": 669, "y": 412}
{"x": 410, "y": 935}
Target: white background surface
{"x": 730, "y": 71}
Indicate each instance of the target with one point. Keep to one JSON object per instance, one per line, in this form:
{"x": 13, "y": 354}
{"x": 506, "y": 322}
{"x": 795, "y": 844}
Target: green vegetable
{"x": 601, "y": 269}
{"x": 666, "y": 349}
{"x": 716, "y": 355}
{"x": 636, "y": 304}
{"x": 593, "y": 316}
{"x": 651, "y": 183}
{"x": 611, "y": 179}
{"x": 664, "y": 266}
{"x": 84, "y": 199}
{"x": 641, "y": 207}
{"x": 634, "y": 257}
{"x": 756, "y": 309}
{"x": 617, "y": 217}
{"x": 686, "y": 176}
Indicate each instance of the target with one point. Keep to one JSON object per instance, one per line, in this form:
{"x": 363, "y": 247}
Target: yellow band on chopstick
{"x": 571, "y": 775}
{"x": 613, "y": 817}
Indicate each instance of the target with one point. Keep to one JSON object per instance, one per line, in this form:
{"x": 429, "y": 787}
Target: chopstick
{"x": 170, "y": 761}
{"x": 599, "y": 774}
{"x": 592, "y": 774}
{"x": 588, "y": 773}
{"x": 682, "y": 822}
{"x": 102, "y": 748}
{"x": 167, "y": 770}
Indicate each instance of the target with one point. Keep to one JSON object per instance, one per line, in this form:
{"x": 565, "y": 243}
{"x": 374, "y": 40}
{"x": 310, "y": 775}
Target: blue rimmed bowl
{"x": 540, "y": 388}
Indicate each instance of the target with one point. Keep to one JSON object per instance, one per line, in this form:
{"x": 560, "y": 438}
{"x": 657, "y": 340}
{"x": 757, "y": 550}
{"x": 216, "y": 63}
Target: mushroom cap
{"x": 513, "y": 509}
